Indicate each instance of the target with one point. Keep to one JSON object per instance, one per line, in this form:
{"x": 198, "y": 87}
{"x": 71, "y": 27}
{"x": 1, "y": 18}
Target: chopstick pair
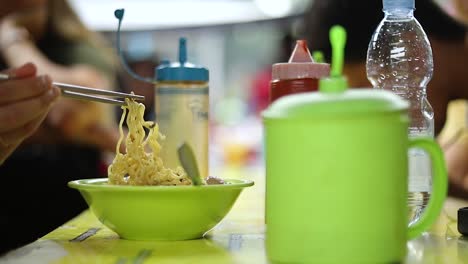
{"x": 86, "y": 93}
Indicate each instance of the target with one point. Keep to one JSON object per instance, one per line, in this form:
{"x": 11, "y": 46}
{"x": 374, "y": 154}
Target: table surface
{"x": 239, "y": 238}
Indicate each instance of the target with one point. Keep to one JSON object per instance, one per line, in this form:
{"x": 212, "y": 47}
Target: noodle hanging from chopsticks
{"x": 136, "y": 166}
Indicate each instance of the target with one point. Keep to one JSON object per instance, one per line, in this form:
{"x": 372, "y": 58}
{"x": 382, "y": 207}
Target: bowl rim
{"x": 97, "y": 184}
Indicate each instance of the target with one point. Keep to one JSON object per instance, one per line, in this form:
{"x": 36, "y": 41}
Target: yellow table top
{"x": 239, "y": 238}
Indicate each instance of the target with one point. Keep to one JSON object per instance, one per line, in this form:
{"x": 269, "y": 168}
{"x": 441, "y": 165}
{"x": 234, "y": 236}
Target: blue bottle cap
{"x": 165, "y": 62}
{"x": 181, "y": 70}
{"x": 398, "y": 4}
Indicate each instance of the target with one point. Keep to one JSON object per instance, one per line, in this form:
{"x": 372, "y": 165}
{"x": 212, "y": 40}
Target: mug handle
{"x": 439, "y": 186}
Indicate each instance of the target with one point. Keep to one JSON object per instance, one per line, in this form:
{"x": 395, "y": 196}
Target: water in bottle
{"x": 399, "y": 59}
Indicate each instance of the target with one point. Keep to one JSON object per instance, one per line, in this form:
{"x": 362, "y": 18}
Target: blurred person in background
{"x": 457, "y": 9}
{"x": 454, "y": 140}
{"x": 25, "y": 101}
{"x": 70, "y": 141}
{"x": 449, "y": 43}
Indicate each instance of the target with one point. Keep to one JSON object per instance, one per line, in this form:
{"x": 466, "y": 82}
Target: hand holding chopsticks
{"x": 89, "y": 94}
{"x": 24, "y": 103}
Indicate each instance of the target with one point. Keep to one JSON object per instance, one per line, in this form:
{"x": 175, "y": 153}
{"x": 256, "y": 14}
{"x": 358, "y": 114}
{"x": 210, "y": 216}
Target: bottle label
{"x": 285, "y": 87}
{"x": 419, "y": 169}
{"x": 182, "y": 115}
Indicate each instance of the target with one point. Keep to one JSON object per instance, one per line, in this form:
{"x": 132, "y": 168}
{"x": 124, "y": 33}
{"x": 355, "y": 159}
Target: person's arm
{"x": 456, "y": 155}
{"x": 19, "y": 49}
{"x": 24, "y": 103}
{"x": 78, "y": 121}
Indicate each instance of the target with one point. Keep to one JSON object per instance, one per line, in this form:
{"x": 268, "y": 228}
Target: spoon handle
{"x": 189, "y": 163}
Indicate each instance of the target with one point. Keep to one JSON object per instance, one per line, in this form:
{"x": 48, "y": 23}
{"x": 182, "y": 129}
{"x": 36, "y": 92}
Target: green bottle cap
{"x": 336, "y": 82}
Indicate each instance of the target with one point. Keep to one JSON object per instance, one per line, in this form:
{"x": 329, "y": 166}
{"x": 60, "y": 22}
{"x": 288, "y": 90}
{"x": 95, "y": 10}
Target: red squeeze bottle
{"x": 300, "y": 74}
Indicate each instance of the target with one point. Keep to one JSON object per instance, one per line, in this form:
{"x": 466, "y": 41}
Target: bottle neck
{"x": 398, "y": 13}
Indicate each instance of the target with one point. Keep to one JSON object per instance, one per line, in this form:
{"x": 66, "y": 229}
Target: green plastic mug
{"x": 337, "y": 177}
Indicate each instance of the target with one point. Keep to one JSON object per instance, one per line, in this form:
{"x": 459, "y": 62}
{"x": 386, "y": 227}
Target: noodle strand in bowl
{"x": 136, "y": 166}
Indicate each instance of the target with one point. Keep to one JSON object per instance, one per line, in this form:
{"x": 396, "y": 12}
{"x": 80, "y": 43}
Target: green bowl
{"x": 159, "y": 212}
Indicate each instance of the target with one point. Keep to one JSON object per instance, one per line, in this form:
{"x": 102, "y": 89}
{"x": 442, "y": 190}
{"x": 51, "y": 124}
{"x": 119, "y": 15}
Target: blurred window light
{"x": 278, "y": 8}
{"x": 164, "y": 14}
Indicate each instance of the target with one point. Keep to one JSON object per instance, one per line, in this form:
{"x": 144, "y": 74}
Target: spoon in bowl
{"x": 189, "y": 163}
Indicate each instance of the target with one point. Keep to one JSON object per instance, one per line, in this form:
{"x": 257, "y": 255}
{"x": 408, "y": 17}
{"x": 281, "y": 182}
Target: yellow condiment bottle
{"x": 182, "y": 107}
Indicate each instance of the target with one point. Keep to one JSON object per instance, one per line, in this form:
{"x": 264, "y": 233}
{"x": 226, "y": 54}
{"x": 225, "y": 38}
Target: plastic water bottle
{"x": 399, "y": 59}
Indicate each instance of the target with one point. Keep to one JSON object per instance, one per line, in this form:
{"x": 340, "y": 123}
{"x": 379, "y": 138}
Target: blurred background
{"x": 237, "y": 40}
{"x": 232, "y": 38}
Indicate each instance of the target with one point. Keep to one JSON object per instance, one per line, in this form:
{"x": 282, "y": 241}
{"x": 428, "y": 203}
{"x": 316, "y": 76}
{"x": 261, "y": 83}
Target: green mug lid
{"x": 352, "y": 102}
